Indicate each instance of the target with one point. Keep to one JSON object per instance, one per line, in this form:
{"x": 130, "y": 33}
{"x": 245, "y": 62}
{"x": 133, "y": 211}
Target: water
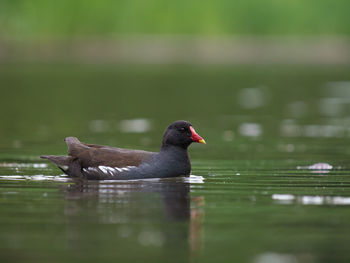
{"x": 271, "y": 185}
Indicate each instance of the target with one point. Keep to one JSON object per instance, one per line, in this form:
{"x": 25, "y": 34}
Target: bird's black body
{"x": 97, "y": 162}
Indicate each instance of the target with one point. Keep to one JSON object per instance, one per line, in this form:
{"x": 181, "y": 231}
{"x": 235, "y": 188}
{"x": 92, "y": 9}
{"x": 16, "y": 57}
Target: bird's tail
{"x": 62, "y": 162}
{"x": 74, "y": 146}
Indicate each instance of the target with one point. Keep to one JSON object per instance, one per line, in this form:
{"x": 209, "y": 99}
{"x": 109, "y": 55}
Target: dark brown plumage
{"x": 91, "y": 155}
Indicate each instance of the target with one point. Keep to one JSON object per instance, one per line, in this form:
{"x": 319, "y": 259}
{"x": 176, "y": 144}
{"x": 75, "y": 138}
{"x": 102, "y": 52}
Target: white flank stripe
{"x": 108, "y": 169}
{"x": 103, "y": 169}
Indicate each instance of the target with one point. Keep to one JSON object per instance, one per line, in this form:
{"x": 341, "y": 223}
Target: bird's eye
{"x": 182, "y": 129}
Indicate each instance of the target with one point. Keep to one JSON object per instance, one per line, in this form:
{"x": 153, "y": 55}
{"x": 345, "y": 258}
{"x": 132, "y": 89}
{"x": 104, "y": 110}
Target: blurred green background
{"x": 108, "y": 18}
{"x": 266, "y": 83}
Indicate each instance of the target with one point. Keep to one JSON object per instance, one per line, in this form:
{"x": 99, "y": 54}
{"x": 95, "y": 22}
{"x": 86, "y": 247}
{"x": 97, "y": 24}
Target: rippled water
{"x": 271, "y": 185}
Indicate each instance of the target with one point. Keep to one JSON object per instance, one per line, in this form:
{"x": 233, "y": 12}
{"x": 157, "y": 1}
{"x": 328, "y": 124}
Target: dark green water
{"x": 254, "y": 195}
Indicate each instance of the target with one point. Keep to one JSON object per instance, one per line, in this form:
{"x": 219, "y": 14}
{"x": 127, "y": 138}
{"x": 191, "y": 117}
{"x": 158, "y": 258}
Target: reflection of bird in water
{"x": 196, "y": 224}
{"x": 147, "y": 214}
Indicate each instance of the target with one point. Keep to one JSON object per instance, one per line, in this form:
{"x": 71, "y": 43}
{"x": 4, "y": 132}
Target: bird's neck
{"x": 175, "y": 152}
{"x": 177, "y": 157}
{"x": 166, "y": 148}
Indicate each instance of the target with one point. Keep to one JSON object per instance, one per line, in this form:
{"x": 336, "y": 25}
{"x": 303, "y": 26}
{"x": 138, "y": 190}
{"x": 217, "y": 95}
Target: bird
{"x": 98, "y": 162}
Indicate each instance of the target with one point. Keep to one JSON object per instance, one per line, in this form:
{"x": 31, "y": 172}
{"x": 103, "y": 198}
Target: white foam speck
{"x": 271, "y": 257}
{"x": 338, "y": 200}
{"x": 317, "y": 168}
{"x": 38, "y": 177}
{"x": 194, "y": 179}
{"x": 135, "y": 125}
{"x": 320, "y": 166}
{"x": 24, "y": 165}
{"x": 250, "y": 129}
{"x": 283, "y": 197}
{"x": 311, "y": 199}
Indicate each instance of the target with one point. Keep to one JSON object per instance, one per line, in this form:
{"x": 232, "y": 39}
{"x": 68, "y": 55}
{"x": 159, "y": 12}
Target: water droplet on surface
{"x": 251, "y": 98}
{"x": 250, "y": 129}
{"x": 135, "y": 126}
{"x": 270, "y": 257}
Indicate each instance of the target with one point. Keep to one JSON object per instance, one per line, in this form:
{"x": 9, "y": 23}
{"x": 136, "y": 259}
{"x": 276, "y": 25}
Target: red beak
{"x": 195, "y": 137}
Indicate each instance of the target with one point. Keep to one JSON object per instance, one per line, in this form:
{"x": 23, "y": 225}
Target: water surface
{"x": 271, "y": 185}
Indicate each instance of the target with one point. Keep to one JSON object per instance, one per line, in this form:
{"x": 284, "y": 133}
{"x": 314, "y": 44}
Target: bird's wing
{"x": 91, "y": 155}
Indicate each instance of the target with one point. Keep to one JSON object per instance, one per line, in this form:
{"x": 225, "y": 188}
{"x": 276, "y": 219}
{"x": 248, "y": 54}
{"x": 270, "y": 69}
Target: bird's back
{"x": 91, "y": 155}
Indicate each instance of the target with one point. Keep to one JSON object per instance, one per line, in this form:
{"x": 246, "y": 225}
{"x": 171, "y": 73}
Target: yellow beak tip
{"x": 202, "y": 141}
